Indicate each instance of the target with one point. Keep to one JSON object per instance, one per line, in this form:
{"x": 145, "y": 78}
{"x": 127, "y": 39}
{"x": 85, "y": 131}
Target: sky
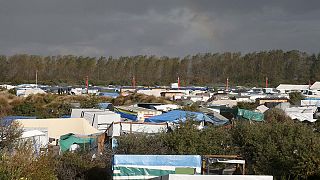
{"x": 157, "y": 27}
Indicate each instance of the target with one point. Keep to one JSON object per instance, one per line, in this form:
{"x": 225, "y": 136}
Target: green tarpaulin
{"x": 250, "y": 115}
{"x": 68, "y": 139}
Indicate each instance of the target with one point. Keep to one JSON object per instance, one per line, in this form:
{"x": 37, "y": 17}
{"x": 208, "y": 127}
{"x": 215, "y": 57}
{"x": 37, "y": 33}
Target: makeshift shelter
{"x": 58, "y": 127}
{"x": 287, "y": 88}
{"x": 109, "y": 94}
{"x": 302, "y": 113}
{"x": 177, "y": 116}
{"x": 250, "y": 115}
{"x": 85, "y": 142}
{"x": 39, "y": 139}
{"x": 32, "y": 133}
{"x": 150, "y": 166}
{"x": 136, "y": 113}
{"x": 101, "y": 120}
{"x": 106, "y": 106}
{"x": 315, "y": 86}
{"x": 120, "y": 128}
{"x": 262, "y": 108}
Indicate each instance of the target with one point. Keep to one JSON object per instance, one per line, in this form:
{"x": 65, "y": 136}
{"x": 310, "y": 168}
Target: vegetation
{"x": 138, "y": 98}
{"x": 247, "y": 105}
{"x": 296, "y": 97}
{"x": 279, "y": 146}
{"x": 193, "y": 107}
{"x": 18, "y": 160}
{"x": 209, "y": 68}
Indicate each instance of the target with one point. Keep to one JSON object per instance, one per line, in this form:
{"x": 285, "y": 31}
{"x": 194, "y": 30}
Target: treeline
{"x": 200, "y": 69}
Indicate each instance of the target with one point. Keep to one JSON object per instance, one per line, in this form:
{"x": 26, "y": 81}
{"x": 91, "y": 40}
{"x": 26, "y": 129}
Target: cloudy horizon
{"x": 162, "y": 28}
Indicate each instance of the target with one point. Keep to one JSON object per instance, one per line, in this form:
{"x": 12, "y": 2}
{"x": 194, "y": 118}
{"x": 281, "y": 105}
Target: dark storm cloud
{"x": 161, "y": 27}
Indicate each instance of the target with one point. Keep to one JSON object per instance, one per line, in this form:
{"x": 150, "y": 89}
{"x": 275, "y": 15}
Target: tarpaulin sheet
{"x": 68, "y": 139}
{"x": 148, "y": 166}
{"x": 250, "y": 115}
{"x": 176, "y": 116}
{"x": 127, "y": 114}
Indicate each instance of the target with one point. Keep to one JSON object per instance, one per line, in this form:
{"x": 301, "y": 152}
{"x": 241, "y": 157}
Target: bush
{"x": 82, "y": 166}
{"x": 296, "y": 97}
{"x": 185, "y": 139}
{"x": 247, "y": 105}
{"x": 284, "y": 150}
{"x": 276, "y": 115}
{"x": 13, "y": 91}
{"x": 142, "y": 144}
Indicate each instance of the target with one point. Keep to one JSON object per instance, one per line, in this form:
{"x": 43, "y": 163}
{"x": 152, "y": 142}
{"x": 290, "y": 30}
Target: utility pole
{"x": 87, "y": 84}
{"x": 36, "y": 78}
{"x": 227, "y": 84}
{"x": 133, "y": 82}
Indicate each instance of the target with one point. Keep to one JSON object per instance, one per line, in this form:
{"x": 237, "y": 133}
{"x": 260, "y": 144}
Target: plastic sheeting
{"x": 176, "y": 116}
{"x": 67, "y": 140}
{"x": 250, "y": 115}
{"x": 6, "y": 121}
{"x": 32, "y": 133}
{"x": 127, "y": 114}
{"x": 148, "y": 166}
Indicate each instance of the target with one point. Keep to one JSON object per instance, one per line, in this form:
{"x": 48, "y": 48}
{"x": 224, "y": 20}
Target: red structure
{"x": 266, "y": 82}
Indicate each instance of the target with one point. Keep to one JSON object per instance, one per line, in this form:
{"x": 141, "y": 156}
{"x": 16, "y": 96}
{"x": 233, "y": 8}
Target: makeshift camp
{"x": 250, "y": 115}
{"x": 150, "y": 166}
{"x": 177, "y": 116}
{"x": 85, "y": 142}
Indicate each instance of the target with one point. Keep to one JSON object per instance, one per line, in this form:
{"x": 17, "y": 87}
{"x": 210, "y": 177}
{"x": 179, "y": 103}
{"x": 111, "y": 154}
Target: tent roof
{"x": 32, "y": 133}
{"x": 178, "y": 115}
{"x": 68, "y": 139}
{"x": 315, "y": 86}
{"x": 293, "y": 87}
{"x": 262, "y": 108}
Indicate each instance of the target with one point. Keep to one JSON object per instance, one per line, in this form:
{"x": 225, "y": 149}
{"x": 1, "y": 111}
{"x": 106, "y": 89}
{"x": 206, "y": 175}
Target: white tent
{"x": 32, "y": 133}
{"x": 262, "y": 108}
{"x": 315, "y": 86}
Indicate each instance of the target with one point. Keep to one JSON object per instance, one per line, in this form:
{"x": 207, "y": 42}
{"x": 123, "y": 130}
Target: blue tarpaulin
{"x": 176, "y": 116}
{"x": 6, "y": 121}
{"x": 109, "y": 94}
{"x": 105, "y": 106}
